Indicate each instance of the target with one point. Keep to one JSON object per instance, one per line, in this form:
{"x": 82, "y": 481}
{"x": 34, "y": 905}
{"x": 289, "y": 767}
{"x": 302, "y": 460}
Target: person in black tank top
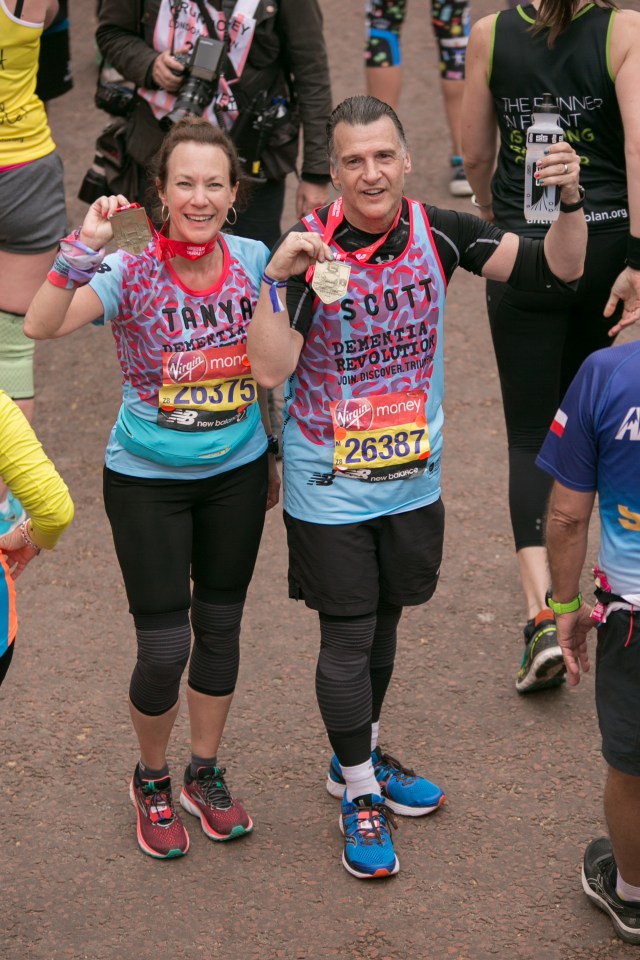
{"x": 582, "y": 54}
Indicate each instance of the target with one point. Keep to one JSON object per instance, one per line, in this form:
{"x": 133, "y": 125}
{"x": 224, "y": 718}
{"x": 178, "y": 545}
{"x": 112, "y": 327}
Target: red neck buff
{"x": 166, "y": 248}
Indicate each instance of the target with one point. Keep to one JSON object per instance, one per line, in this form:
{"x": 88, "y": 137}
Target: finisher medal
{"x": 131, "y": 230}
{"x": 330, "y": 280}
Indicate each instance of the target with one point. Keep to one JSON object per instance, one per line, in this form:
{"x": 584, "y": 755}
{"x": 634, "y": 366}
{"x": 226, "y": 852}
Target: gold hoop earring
{"x": 235, "y": 216}
{"x": 164, "y": 213}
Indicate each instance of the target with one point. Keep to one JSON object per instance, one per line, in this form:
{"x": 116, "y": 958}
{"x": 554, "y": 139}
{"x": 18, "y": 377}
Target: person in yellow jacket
{"x": 31, "y": 476}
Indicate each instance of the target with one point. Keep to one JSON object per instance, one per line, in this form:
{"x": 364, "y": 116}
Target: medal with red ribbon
{"x": 330, "y": 279}
{"x": 364, "y": 254}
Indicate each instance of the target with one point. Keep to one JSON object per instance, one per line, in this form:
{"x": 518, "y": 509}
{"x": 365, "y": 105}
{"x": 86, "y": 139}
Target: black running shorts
{"x": 344, "y": 569}
{"x": 618, "y": 690}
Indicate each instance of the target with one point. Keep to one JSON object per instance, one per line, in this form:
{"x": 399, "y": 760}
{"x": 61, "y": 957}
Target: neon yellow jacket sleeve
{"x": 31, "y": 477}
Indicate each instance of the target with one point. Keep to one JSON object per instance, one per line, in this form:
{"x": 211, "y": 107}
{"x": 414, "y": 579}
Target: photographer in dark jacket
{"x": 274, "y": 80}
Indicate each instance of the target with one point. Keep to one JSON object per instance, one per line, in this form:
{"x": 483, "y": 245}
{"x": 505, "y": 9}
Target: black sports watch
{"x": 272, "y": 445}
{"x": 572, "y": 207}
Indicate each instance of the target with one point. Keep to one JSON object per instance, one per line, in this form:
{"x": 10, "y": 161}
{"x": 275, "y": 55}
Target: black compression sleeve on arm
{"x": 531, "y": 272}
{"x": 300, "y": 304}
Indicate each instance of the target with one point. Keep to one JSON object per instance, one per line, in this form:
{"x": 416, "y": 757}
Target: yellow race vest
{"x": 24, "y": 131}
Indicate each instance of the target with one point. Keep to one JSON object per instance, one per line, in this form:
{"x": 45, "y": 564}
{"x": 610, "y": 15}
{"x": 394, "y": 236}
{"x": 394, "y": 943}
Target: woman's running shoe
{"x": 160, "y": 830}
{"x": 542, "y": 662}
{"x": 401, "y": 789}
{"x": 368, "y": 848}
{"x": 207, "y": 796}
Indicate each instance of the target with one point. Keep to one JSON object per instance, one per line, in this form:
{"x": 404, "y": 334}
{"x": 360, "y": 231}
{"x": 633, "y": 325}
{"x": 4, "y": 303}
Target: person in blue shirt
{"x": 593, "y": 446}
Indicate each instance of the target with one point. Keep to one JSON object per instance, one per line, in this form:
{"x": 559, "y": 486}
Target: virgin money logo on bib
{"x": 187, "y": 367}
{"x": 354, "y": 414}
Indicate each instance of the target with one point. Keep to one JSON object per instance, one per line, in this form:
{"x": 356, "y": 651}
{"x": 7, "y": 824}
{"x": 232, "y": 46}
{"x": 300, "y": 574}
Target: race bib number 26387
{"x": 380, "y": 434}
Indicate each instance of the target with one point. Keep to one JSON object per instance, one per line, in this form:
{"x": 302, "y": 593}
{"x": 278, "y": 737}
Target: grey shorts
{"x": 618, "y": 690}
{"x": 344, "y": 569}
{"x": 33, "y": 215}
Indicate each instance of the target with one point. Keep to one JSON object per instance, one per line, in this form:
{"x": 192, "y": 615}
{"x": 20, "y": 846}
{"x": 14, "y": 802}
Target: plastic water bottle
{"x": 541, "y": 203}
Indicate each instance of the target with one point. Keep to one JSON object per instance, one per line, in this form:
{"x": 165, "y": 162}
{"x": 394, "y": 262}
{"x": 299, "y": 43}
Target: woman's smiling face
{"x": 198, "y": 191}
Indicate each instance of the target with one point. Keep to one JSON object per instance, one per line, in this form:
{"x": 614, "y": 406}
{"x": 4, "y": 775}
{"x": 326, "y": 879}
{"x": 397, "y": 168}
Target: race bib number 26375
{"x": 206, "y": 389}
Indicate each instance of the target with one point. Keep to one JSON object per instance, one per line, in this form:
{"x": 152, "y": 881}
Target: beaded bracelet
{"x": 76, "y": 264}
{"x": 274, "y": 286}
{"x": 24, "y": 530}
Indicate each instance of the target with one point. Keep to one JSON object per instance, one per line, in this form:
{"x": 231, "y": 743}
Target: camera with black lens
{"x": 114, "y": 94}
{"x": 115, "y": 99}
{"x": 201, "y": 73}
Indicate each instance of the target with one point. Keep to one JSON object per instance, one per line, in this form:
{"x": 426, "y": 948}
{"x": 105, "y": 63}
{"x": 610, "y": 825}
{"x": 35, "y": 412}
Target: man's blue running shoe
{"x": 400, "y": 788}
{"x": 368, "y": 847}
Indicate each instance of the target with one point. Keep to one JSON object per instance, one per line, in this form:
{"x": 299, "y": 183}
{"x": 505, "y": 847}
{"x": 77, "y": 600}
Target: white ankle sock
{"x": 375, "y": 733}
{"x": 626, "y": 892}
{"x": 360, "y": 780}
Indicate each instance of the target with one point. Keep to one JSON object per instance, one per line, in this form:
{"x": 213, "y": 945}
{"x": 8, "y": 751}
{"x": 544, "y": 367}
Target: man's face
{"x": 369, "y": 171}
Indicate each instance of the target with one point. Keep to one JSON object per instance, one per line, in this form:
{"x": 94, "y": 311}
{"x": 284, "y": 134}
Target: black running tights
{"x": 354, "y": 669}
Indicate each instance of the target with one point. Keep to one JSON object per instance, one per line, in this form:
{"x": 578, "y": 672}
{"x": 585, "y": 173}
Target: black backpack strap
{"x": 227, "y": 7}
{"x": 206, "y": 16}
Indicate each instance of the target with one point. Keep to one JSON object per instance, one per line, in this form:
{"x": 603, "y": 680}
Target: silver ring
{"x": 566, "y": 168}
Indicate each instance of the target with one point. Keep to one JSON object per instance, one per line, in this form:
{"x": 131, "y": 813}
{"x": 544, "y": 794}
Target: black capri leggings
{"x": 540, "y": 341}
{"x": 167, "y": 532}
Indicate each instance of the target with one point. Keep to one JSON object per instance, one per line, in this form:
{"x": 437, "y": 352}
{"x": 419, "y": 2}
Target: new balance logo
{"x": 320, "y": 480}
{"x": 184, "y": 417}
{"x": 630, "y": 425}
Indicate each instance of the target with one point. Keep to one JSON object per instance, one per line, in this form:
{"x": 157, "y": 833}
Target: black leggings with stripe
{"x": 167, "y": 533}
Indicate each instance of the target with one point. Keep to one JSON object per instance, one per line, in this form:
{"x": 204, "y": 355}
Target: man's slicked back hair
{"x": 361, "y": 111}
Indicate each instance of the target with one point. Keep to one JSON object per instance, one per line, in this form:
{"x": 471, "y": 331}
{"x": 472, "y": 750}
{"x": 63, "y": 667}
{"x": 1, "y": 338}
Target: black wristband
{"x": 273, "y": 446}
{"x": 633, "y": 252}
{"x": 572, "y": 207}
